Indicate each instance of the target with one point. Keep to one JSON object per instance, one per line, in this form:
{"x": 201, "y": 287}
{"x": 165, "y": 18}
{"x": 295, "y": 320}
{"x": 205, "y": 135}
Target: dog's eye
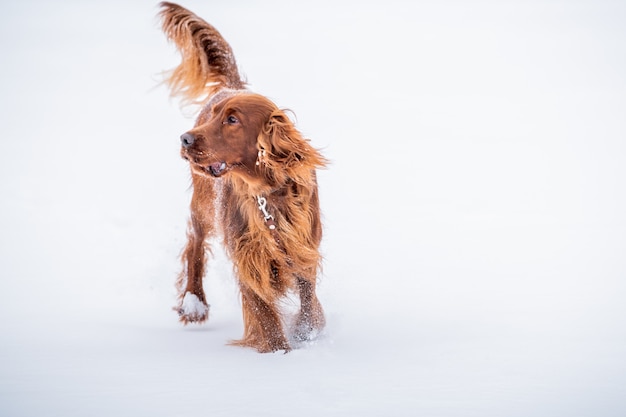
{"x": 231, "y": 120}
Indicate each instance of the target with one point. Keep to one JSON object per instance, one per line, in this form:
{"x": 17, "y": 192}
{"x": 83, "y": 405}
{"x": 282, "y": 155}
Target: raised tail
{"x": 207, "y": 61}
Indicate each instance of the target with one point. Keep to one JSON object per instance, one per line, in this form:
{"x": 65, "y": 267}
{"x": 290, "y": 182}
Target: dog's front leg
{"x": 262, "y": 325}
{"x": 193, "y": 306}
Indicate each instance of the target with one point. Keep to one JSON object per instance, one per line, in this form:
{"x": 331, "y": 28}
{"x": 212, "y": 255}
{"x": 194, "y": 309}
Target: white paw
{"x": 192, "y": 309}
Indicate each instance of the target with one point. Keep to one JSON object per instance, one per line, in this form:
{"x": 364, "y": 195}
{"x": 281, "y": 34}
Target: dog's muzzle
{"x": 187, "y": 139}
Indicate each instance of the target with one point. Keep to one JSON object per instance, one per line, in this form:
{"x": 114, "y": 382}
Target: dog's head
{"x": 248, "y": 136}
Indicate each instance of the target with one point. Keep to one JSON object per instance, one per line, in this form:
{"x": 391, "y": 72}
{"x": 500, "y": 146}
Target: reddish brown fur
{"x": 243, "y": 147}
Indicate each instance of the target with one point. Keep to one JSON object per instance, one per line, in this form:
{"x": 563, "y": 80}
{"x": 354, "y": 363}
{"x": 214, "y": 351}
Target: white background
{"x": 474, "y": 211}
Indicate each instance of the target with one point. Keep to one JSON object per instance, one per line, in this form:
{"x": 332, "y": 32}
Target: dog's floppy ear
{"x": 285, "y": 153}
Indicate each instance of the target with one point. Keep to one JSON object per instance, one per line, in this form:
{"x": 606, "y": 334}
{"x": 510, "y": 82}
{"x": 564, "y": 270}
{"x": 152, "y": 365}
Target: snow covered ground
{"x": 474, "y": 211}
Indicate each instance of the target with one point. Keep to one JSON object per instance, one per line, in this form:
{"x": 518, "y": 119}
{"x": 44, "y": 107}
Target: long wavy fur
{"x": 243, "y": 147}
{"x": 207, "y": 61}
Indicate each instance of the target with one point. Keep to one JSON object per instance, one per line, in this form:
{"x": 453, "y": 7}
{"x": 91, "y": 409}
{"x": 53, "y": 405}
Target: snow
{"x": 193, "y": 307}
{"x": 474, "y": 211}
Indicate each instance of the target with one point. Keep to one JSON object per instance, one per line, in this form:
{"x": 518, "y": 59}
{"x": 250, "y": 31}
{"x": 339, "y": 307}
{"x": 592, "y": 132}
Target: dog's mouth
{"x": 216, "y": 169}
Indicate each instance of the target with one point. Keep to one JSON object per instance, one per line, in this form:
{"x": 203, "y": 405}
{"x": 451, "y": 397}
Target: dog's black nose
{"x": 187, "y": 139}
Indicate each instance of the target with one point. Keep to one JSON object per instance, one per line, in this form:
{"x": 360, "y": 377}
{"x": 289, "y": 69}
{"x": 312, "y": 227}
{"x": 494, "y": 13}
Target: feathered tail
{"x": 207, "y": 65}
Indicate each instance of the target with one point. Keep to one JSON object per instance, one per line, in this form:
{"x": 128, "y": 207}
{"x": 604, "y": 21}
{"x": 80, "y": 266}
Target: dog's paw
{"x": 305, "y": 333}
{"x": 307, "y": 330}
{"x": 263, "y": 346}
{"x": 192, "y": 309}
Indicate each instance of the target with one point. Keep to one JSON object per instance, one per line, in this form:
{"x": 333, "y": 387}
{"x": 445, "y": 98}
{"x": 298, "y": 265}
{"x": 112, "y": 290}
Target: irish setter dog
{"x": 254, "y": 184}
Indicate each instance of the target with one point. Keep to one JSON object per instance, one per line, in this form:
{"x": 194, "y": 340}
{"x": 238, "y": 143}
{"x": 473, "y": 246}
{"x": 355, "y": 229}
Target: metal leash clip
{"x": 269, "y": 219}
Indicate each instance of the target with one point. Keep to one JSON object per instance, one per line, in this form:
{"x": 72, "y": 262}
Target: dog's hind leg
{"x": 310, "y": 320}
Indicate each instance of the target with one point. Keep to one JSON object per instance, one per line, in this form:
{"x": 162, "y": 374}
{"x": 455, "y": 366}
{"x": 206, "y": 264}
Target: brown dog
{"x": 254, "y": 183}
